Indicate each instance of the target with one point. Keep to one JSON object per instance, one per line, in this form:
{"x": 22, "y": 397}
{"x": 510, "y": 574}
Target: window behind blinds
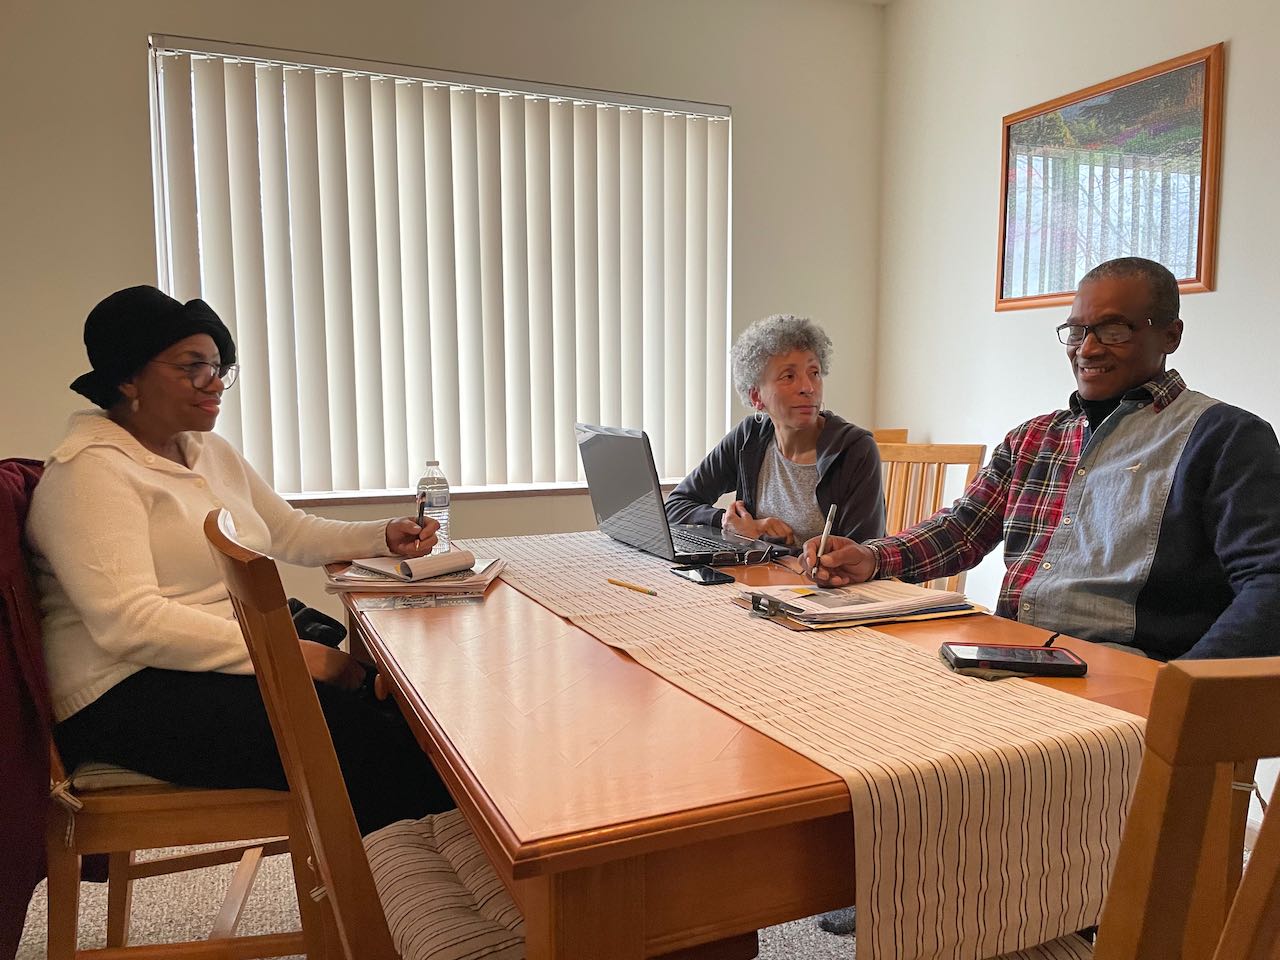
{"x": 419, "y": 265}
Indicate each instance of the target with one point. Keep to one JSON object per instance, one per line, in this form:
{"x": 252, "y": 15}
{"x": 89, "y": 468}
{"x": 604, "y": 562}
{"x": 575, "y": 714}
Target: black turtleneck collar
{"x": 1160, "y": 392}
{"x": 1099, "y": 410}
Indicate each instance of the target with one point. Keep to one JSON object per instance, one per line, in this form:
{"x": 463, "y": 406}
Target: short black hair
{"x": 1165, "y": 300}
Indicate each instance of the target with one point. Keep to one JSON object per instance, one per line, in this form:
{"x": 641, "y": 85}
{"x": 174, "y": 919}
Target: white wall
{"x": 802, "y": 77}
{"x": 953, "y": 70}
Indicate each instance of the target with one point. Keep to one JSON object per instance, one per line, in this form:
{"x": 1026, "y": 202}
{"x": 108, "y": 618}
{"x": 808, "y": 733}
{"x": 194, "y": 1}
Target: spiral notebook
{"x": 418, "y": 568}
{"x": 458, "y": 571}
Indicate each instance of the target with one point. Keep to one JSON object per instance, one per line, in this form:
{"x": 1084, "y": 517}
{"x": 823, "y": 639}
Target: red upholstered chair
{"x": 24, "y": 711}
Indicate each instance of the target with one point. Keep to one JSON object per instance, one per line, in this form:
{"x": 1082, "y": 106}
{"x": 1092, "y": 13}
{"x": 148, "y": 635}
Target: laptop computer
{"x": 627, "y": 500}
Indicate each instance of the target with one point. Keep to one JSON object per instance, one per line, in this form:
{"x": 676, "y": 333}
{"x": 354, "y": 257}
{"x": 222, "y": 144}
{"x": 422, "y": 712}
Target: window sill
{"x": 496, "y": 491}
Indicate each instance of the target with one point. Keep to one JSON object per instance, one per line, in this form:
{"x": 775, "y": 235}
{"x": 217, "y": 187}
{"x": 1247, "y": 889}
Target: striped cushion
{"x": 1071, "y": 947}
{"x": 442, "y": 899}
{"x": 104, "y": 776}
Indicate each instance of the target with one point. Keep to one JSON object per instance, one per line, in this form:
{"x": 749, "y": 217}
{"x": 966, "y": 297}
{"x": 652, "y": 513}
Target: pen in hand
{"x": 422, "y": 512}
{"x": 822, "y": 543}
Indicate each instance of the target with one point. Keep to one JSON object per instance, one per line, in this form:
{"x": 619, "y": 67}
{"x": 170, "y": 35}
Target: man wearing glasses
{"x": 1145, "y": 516}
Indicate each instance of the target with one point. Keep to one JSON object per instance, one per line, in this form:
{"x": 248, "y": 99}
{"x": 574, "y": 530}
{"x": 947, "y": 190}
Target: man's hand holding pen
{"x": 407, "y": 537}
{"x": 843, "y": 561}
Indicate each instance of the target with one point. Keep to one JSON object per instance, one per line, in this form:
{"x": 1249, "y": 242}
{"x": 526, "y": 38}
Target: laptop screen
{"x": 624, "y": 487}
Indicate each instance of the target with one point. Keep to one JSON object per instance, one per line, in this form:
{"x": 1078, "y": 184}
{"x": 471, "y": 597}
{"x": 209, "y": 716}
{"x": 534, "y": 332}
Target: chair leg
{"x": 228, "y": 919}
{"x": 64, "y": 889}
{"x": 305, "y": 879}
{"x": 1245, "y": 772}
{"x": 332, "y": 942}
{"x": 119, "y": 897}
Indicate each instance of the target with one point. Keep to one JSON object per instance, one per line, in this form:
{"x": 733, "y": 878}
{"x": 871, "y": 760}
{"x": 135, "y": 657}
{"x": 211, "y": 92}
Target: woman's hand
{"x": 327, "y": 665}
{"x": 738, "y": 520}
{"x": 406, "y": 539}
{"x": 844, "y": 561}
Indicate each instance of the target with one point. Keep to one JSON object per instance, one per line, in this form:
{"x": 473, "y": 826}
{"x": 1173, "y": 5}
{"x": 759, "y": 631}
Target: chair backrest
{"x": 20, "y": 612}
{"x": 890, "y": 435}
{"x": 302, "y": 737}
{"x": 25, "y": 715}
{"x": 915, "y": 475}
{"x": 1204, "y": 714}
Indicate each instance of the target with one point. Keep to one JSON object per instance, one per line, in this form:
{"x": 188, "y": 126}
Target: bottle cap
{"x": 433, "y": 463}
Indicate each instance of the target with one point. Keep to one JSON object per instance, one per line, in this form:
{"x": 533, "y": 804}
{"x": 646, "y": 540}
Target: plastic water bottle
{"x": 433, "y": 501}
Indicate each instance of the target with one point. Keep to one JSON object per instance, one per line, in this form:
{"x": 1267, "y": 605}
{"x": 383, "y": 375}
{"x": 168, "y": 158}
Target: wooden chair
{"x": 116, "y": 812}
{"x": 890, "y": 435}
{"x": 915, "y": 475}
{"x": 1166, "y": 900}
{"x": 442, "y": 898}
{"x": 120, "y": 820}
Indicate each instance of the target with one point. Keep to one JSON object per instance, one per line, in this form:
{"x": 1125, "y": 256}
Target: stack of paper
{"x": 877, "y": 601}
{"x": 456, "y": 572}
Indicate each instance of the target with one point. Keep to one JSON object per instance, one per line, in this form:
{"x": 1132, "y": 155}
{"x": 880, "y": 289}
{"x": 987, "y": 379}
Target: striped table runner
{"x": 568, "y": 573}
{"x": 987, "y": 816}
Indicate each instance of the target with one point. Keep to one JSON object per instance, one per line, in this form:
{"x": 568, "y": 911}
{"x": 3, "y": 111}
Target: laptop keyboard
{"x": 691, "y": 543}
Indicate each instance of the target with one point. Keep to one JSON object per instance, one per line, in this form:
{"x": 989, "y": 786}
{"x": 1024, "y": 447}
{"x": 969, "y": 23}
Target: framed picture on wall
{"x": 1125, "y": 168}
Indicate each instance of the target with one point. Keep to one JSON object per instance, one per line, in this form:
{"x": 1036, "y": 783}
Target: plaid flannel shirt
{"x": 1017, "y": 497}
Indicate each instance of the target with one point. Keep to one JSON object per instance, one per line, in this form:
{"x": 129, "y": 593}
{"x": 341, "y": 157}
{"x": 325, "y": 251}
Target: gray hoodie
{"x": 848, "y": 476}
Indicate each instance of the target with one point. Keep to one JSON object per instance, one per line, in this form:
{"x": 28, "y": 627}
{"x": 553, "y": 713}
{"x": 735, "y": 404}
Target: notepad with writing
{"x": 385, "y": 575}
{"x": 418, "y": 568}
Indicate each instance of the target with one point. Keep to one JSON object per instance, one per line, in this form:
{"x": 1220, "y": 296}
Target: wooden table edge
{"x": 630, "y": 838}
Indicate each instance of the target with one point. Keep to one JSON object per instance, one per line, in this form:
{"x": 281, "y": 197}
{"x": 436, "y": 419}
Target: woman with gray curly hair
{"x": 791, "y": 460}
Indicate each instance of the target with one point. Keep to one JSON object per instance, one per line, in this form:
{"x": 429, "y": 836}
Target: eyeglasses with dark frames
{"x": 1108, "y": 332}
{"x": 201, "y": 373}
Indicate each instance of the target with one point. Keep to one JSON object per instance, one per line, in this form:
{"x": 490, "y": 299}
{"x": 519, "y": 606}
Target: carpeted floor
{"x": 183, "y": 907}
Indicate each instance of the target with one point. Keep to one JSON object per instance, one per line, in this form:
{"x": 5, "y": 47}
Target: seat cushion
{"x": 1071, "y": 947}
{"x": 104, "y": 776}
{"x": 441, "y": 897}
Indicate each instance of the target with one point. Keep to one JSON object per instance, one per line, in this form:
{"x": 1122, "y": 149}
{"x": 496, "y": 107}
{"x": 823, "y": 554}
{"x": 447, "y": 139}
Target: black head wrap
{"x": 130, "y": 327}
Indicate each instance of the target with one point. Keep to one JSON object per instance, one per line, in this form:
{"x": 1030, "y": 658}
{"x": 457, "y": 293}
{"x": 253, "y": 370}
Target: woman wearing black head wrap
{"x": 147, "y": 666}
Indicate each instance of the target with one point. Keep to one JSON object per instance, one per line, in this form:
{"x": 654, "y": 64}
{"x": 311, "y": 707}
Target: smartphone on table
{"x": 702, "y": 574}
{"x": 1033, "y": 661}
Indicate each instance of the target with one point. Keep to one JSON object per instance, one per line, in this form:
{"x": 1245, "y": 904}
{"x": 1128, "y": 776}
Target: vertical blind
{"x": 417, "y": 268}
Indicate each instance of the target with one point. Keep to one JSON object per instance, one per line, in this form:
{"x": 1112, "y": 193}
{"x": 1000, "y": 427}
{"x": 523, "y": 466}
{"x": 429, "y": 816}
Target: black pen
{"x": 422, "y": 511}
{"x": 1052, "y": 637}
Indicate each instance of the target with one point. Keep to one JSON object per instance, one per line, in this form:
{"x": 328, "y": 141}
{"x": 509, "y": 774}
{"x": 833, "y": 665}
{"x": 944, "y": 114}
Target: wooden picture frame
{"x": 1129, "y": 167}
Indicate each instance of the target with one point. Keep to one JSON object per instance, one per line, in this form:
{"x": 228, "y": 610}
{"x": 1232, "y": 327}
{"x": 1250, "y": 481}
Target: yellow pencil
{"x": 633, "y": 586}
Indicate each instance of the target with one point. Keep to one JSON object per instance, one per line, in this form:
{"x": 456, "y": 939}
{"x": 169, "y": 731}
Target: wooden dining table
{"x": 628, "y": 818}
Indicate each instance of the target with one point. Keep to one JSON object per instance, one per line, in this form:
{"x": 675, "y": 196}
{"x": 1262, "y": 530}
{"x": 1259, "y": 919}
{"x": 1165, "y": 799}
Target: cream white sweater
{"x": 125, "y": 575}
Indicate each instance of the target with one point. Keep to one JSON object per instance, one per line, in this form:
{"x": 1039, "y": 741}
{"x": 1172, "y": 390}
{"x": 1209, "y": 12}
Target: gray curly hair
{"x": 765, "y": 339}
